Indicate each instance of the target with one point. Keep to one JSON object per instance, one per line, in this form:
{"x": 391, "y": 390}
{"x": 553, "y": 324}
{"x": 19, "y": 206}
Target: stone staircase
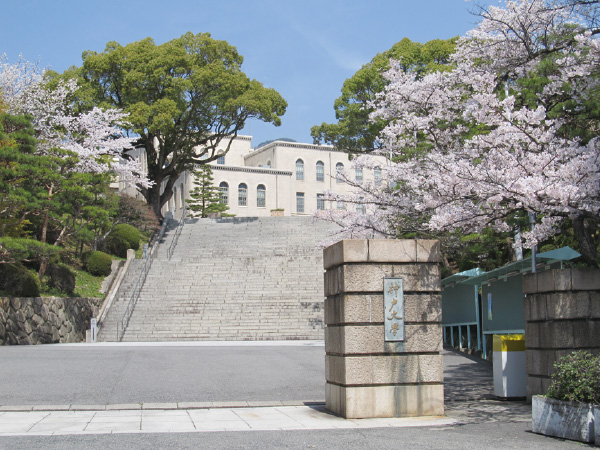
{"x": 231, "y": 279}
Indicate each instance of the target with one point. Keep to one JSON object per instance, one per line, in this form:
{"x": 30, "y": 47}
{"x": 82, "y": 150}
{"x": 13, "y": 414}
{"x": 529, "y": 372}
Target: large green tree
{"x": 354, "y": 132}
{"x": 186, "y": 99}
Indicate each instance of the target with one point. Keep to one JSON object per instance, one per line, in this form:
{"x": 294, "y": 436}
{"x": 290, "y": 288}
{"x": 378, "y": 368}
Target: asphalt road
{"x": 489, "y": 436}
{"x": 96, "y": 374}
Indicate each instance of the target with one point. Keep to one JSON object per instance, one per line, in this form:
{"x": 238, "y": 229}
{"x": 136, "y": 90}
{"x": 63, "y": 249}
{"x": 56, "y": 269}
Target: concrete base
{"x": 562, "y": 419}
{"x": 597, "y": 425}
{"x": 385, "y": 401}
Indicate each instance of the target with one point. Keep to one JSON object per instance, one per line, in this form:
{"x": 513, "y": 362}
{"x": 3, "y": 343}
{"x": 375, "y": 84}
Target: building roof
{"x": 524, "y": 265}
{"x": 458, "y": 277}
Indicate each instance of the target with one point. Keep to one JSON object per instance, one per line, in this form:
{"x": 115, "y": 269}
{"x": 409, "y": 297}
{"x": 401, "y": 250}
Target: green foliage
{"x": 354, "y": 132}
{"x": 188, "y": 94}
{"x": 17, "y": 162}
{"x": 486, "y": 250}
{"x": 115, "y": 245}
{"x": 17, "y": 250}
{"x": 121, "y": 238}
{"x": 128, "y": 233}
{"x": 61, "y": 278}
{"x": 205, "y": 197}
{"x": 97, "y": 263}
{"x": 17, "y": 281}
{"x": 576, "y": 378}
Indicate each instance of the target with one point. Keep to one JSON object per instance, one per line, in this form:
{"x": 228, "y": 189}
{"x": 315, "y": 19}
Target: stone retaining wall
{"x": 562, "y": 314}
{"x": 45, "y": 320}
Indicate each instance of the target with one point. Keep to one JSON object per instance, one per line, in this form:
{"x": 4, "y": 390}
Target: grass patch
{"x": 87, "y": 285}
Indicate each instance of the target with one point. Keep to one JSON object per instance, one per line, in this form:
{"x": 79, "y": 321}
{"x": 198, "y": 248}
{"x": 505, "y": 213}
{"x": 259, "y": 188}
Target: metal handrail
{"x": 171, "y": 248}
{"x": 140, "y": 281}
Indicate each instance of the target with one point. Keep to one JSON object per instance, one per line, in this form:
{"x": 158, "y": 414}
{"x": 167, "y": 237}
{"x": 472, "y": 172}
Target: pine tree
{"x": 205, "y": 197}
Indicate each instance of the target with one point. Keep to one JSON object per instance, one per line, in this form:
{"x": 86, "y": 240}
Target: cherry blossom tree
{"x": 95, "y": 138}
{"x": 480, "y": 147}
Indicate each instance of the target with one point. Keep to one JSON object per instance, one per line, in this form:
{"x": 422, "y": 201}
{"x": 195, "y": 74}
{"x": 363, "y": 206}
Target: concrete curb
{"x": 161, "y": 406}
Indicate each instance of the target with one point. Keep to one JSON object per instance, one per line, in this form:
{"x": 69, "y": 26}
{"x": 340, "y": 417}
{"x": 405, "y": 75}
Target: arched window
{"x": 339, "y": 169}
{"x": 243, "y": 194}
{"x": 299, "y": 170}
{"x": 174, "y": 199}
{"x": 320, "y": 171}
{"x": 261, "y": 196}
{"x": 224, "y": 193}
{"x": 359, "y": 174}
{"x": 221, "y": 159}
{"x": 269, "y": 163}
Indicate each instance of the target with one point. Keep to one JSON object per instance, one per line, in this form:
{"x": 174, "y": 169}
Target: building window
{"x": 175, "y": 205}
{"x": 341, "y": 205}
{"x": 339, "y": 169}
{"x": 299, "y": 202}
{"x": 182, "y": 192}
{"x": 221, "y": 160}
{"x": 224, "y": 193}
{"x": 320, "y": 171}
{"x": 321, "y": 201}
{"x": 261, "y": 196}
{"x": 299, "y": 170}
{"x": 242, "y": 195}
{"x": 359, "y": 175}
{"x": 360, "y": 207}
{"x": 377, "y": 176}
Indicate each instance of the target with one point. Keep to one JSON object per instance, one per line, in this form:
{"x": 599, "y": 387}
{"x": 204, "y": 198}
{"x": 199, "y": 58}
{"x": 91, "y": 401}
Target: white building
{"x": 279, "y": 178}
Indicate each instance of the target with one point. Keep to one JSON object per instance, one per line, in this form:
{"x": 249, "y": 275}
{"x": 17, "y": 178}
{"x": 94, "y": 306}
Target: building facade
{"x": 279, "y": 178}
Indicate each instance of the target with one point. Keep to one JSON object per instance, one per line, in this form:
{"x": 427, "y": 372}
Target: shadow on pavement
{"x": 469, "y": 392}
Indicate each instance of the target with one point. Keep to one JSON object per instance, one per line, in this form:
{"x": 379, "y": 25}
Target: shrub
{"x": 61, "y": 278}
{"x": 122, "y": 238}
{"x": 576, "y": 378}
{"x": 97, "y": 263}
{"x": 115, "y": 245}
{"x": 17, "y": 281}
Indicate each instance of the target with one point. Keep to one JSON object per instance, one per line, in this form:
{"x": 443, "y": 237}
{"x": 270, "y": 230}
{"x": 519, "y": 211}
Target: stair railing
{"x": 135, "y": 295}
{"x": 171, "y": 248}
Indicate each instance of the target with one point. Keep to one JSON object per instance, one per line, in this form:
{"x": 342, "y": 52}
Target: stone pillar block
{"x": 562, "y": 314}
{"x": 367, "y": 375}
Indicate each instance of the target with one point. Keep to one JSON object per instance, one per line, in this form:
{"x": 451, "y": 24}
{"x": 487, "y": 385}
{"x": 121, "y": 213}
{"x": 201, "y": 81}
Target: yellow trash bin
{"x": 510, "y": 377}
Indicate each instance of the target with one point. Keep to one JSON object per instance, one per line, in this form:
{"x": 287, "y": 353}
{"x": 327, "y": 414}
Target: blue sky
{"x": 304, "y": 49}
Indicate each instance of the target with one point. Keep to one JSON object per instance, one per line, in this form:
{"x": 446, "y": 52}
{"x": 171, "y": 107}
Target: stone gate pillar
{"x": 562, "y": 315}
{"x": 383, "y": 334}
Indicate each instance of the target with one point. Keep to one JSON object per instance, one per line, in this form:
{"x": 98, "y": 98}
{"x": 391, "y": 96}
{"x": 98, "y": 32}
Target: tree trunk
{"x": 153, "y": 198}
{"x": 584, "y": 230}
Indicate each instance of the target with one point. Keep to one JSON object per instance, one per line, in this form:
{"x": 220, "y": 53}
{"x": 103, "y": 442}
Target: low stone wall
{"x": 562, "y": 314}
{"x": 45, "y": 320}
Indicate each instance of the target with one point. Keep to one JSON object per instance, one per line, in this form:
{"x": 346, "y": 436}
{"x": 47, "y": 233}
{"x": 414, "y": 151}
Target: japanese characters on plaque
{"x": 393, "y": 303}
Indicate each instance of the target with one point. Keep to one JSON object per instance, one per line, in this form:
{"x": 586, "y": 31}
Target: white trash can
{"x": 510, "y": 377}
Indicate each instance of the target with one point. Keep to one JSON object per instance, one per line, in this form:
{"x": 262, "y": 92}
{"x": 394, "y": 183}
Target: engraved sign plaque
{"x": 393, "y": 303}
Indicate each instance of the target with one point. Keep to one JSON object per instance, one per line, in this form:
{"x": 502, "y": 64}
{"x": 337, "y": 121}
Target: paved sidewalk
{"x": 38, "y": 423}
